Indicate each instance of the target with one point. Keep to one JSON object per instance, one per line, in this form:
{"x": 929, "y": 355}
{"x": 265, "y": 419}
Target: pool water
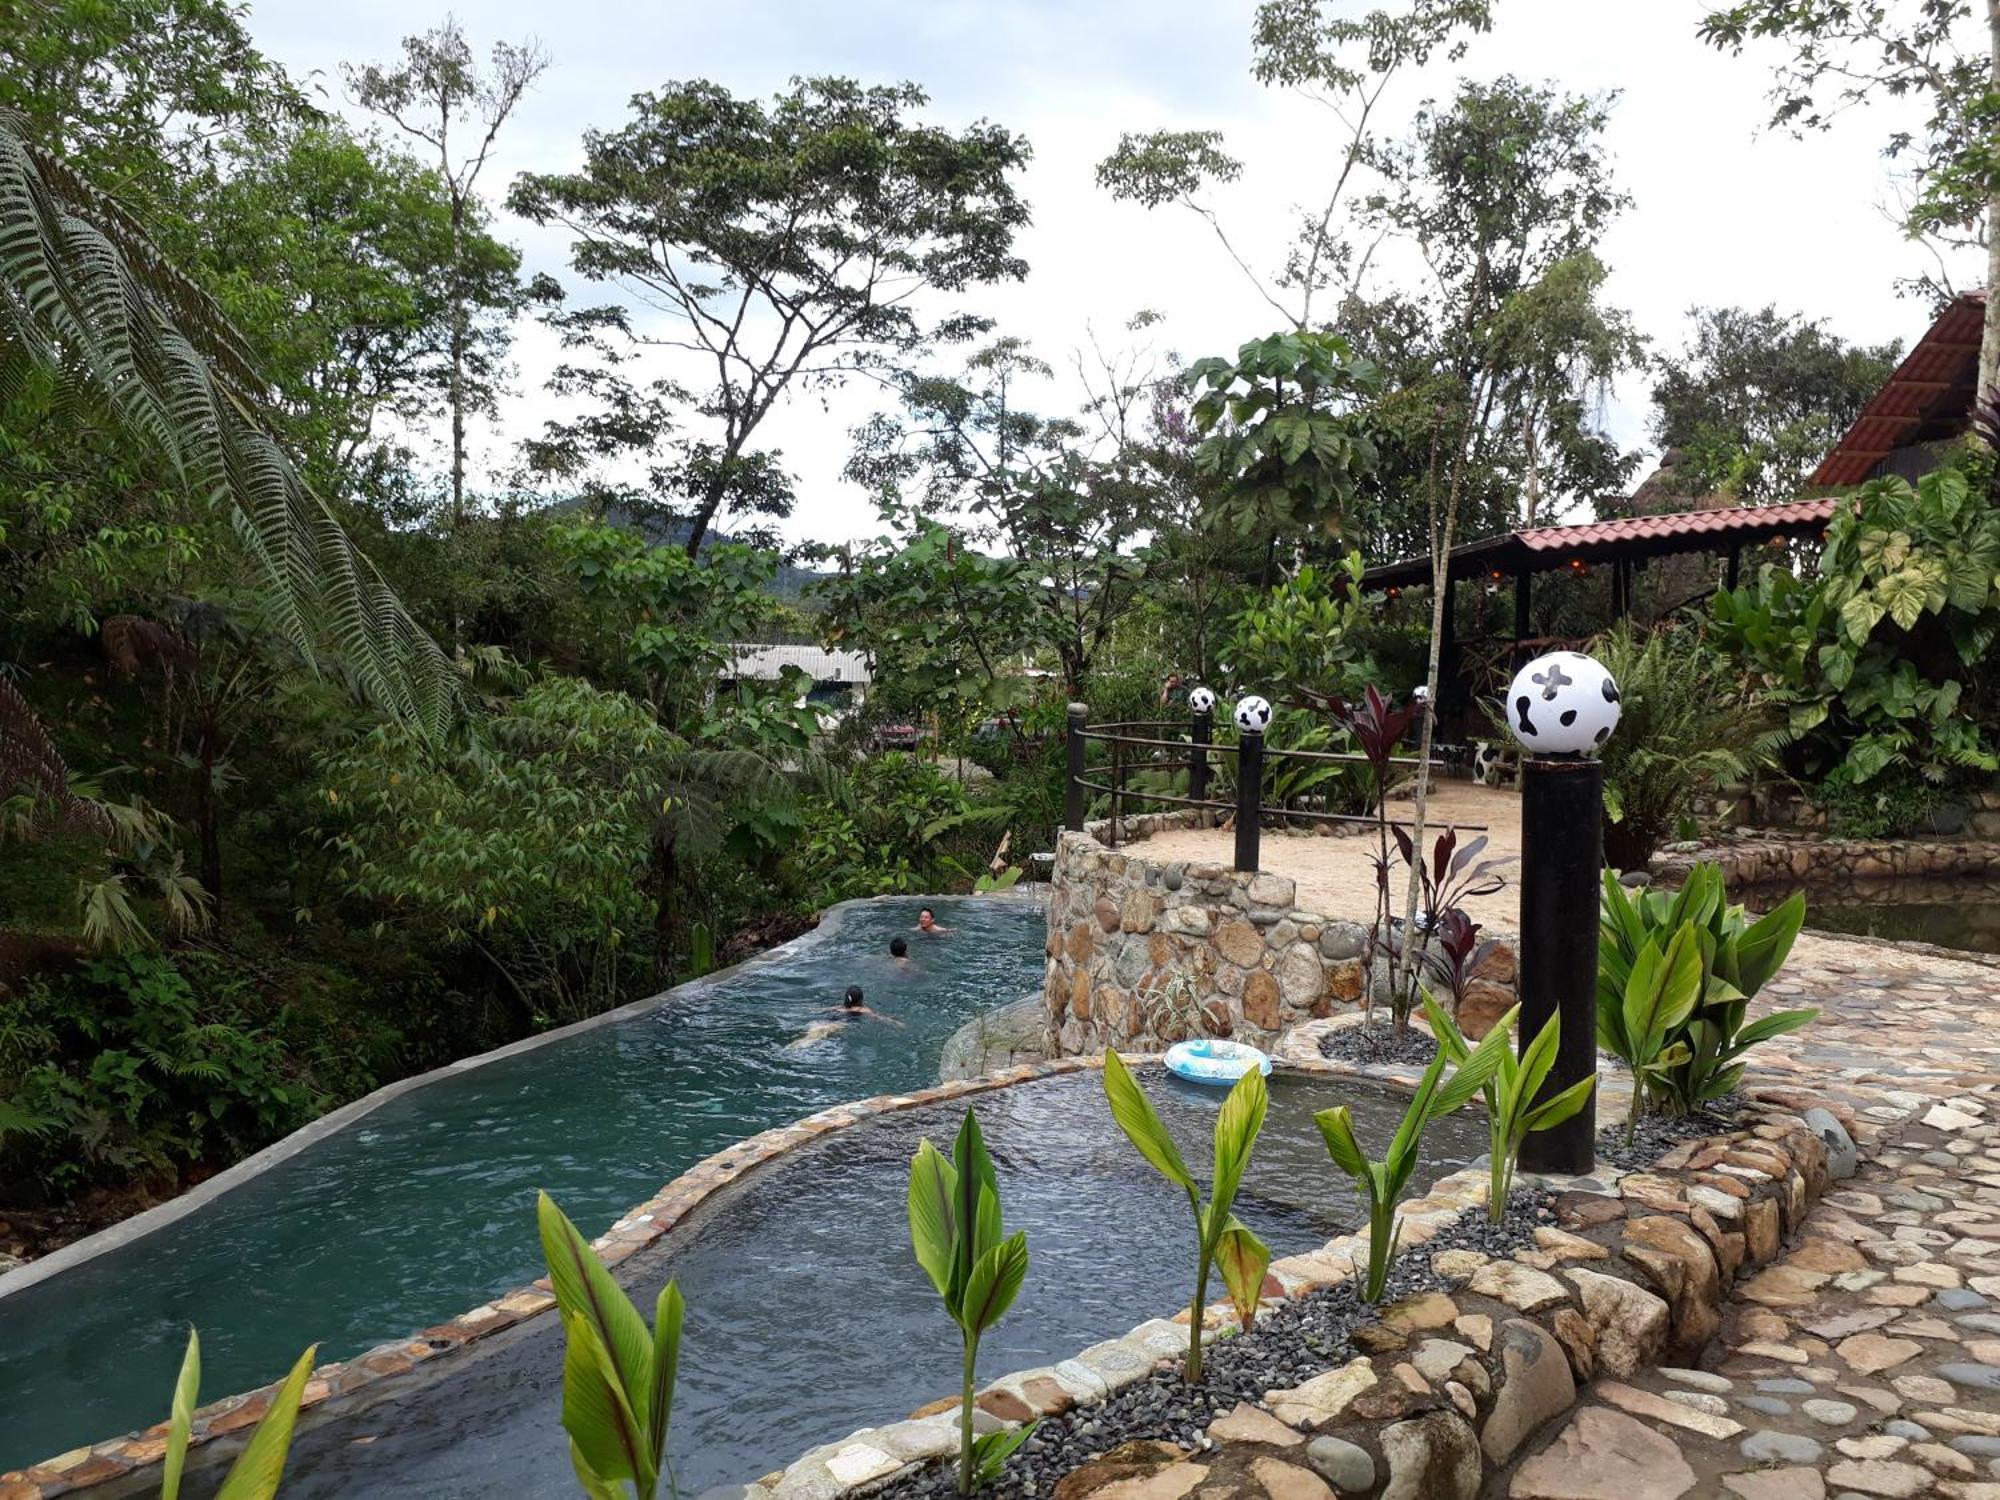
{"x": 1946, "y": 913}
{"x": 808, "y": 1316}
{"x": 424, "y": 1207}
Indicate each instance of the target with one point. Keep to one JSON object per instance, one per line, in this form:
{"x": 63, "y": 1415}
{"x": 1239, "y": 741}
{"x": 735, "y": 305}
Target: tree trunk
{"x": 209, "y": 832}
{"x": 457, "y": 394}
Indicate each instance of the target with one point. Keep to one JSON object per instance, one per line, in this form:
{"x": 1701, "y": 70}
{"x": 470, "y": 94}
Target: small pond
{"x": 424, "y": 1207}
{"x": 1947, "y": 913}
{"x": 808, "y": 1316}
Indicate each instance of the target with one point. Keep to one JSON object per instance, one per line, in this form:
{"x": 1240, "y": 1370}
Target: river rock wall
{"x": 1143, "y": 953}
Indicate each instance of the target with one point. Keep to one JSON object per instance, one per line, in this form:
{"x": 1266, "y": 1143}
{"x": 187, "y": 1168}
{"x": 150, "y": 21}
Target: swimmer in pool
{"x": 853, "y": 1007}
{"x": 899, "y": 949}
{"x": 927, "y": 923}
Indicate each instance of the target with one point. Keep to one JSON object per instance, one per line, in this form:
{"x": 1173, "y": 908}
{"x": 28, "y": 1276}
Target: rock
{"x": 1841, "y": 1157}
{"x": 1770, "y": 1446}
{"x": 1346, "y": 1466}
{"x": 1698, "y": 1380}
{"x": 1283, "y": 1481}
{"x": 1604, "y": 1455}
{"x": 1240, "y": 943}
{"x": 1870, "y": 1353}
{"x": 1342, "y": 940}
{"x": 1698, "y": 1297}
{"x": 1323, "y": 1397}
{"x": 1579, "y": 1341}
{"x": 1760, "y": 1227}
{"x": 1421, "y": 1313}
{"x": 1300, "y": 977}
{"x": 1536, "y": 1384}
{"x": 1878, "y": 1476}
{"x": 1658, "y": 1409}
{"x": 1125, "y": 1464}
{"x": 1261, "y": 1001}
{"x": 1432, "y": 1457}
{"x": 1829, "y": 1413}
{"x": 1631, "y": 1322}
{"x": 1980, "y": 1377}
{"x": 1777, "y": 1484}
{"x": 1522, "y": 1288}
{"x": 1247, "y": 1424}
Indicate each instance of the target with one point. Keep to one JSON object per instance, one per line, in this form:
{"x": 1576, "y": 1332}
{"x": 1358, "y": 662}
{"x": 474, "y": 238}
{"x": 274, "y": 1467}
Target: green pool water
{"x": 424, "y": 1207}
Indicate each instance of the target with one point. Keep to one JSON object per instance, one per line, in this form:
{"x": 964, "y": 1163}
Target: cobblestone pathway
{"x": 1866, "y": 1362}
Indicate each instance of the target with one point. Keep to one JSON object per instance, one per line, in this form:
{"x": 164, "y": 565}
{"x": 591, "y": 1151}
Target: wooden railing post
{"x": 1073, "y": 798}
{"x": 1201, "y": 733}
{"x": 1249, "y": 797}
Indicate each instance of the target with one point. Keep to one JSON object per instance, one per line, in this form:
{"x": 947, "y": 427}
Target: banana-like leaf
{"x": 1243, "y": 1259}
{"x": 1450, "y": 1039}
{"x": 593, "y": 1484}
{"x": 933, "y": 1192}
{"x": 1765, "y": 945}
{"x": 260, "y": 1467}
{"x": 669, "y": 1314}
{"x": 995, "y": 1282}
{"x": 582, "y": 1286}
{"x": 1666, "y": 998}
{"x": 1404, "y": 1144}
{"x": 1336, "y": 1127}
{"x": 1236, "y": 1128}
{"x": 991, "y": 1451}
{"x": 1766, "y": 1027}
{"x": 180, "y": 1423}
{"x": 1536, "y": 1062}
{"x": 1471, "y": 1076}
{"x": 596, "y": 1412}
{"x": 1141, "y": 1123}
{"x": 1561, "y": 1107}
{"x": 977, "y": 1209}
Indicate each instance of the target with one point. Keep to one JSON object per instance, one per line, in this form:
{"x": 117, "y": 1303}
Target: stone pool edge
{"x": 638, "y": 1228}
{"x": 1673, "y": 1241}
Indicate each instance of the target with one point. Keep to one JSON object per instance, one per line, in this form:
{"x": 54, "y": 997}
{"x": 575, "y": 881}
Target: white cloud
{"x": 1724, "y": 212}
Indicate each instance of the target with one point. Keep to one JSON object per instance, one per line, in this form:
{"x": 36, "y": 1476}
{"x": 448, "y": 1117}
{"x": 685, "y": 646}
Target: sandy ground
{"x": 1335, "y": 875}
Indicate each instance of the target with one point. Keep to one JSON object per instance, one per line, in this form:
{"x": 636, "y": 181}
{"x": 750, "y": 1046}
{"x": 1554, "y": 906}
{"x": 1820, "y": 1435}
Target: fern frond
{"x": 83, "y": 289}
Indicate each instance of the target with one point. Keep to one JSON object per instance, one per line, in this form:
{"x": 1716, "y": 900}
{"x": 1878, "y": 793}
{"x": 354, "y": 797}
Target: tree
{"x": 783, "y": 245}
{"x": 353, "y": 265}
{"x": 1843, "y": 54}
{"x": 1344, "y": 63}
{"x": 85, "y": 291}
{"x": 1064, "y": 505}
{"x": 1757, "y": 398}
{"x": 1501, "y": 192}
{"x": 437, "y": 93}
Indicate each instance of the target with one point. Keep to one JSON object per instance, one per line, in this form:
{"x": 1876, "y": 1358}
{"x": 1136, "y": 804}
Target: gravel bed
{"x": 1381, "y": 1043}
{"x": 1287, "y": 1347}
{"x": 1659, "y": 1134}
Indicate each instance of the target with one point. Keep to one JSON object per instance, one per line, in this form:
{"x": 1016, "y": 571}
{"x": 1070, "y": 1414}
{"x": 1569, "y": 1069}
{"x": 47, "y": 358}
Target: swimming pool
{"x": 423, "y": 1207}
{"x": 808, "y": 1317}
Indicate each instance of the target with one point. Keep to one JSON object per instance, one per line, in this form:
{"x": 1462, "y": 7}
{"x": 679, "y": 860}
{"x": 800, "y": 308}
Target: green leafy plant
{"x": 261, "y": 1465}
{"x": 1676, "y": 971}
{"x": 1512, "y": 1115}
{"x": 1226, "y": 1244}
{"x": 956, "y": 1231}
{"x": 618, "y": 1377}
{"x": 1685, "y": 722}
{"x": 1382, "y": 1183}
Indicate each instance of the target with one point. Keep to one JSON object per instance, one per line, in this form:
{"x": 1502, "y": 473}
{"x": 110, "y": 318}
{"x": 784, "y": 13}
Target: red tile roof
{"x": 1731, "y": 520}
{"x": 1929, "y": 396}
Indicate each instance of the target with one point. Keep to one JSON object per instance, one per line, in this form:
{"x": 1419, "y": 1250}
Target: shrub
{"x": 1676, "y": 971}
{"x": 1685, "y": 722}
{"x": 960, "y": 1241}
{"x": 1222, "y": 1239}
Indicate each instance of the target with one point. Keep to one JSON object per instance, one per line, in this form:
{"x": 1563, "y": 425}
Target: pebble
{"x": 1699, "y": 1380}
{"x": 1786, "y": 1387}
{"x": 1980, "y": 1377}
{"x": 1769, "y": 1406}
{"x": 1958, "y": 1299}
{"x": 1829, "y": 1413}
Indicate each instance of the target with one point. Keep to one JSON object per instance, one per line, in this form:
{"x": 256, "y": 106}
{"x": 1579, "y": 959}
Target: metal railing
{"x": 1193, "y": 749}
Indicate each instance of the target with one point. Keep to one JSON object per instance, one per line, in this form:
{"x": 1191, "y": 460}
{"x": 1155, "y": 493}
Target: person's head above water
{"x": 899, "y": 947}
{"x": 853, "y": 998}
{"x": 927, "y": 919}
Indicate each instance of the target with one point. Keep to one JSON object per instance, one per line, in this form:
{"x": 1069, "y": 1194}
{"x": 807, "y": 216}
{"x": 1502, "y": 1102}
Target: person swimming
{"x": 899, "y": 949}
{"x": 853, "y": 1007}
{"x": 928, "y": 923}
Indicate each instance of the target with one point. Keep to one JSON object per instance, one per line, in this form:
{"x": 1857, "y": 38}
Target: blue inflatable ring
{"x": 1209, "y": 1060}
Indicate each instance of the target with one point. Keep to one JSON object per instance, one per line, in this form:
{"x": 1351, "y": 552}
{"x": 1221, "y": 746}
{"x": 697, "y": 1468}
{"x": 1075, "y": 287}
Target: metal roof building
{"x": 756, "y": 662}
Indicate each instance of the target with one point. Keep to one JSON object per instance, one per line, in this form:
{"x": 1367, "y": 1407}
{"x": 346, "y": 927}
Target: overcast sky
{"x": 1724, "y": 212}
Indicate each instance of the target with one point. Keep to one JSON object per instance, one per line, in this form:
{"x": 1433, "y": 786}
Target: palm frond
{"x": 29, "y": 760}
{"x": 84, "y": 289}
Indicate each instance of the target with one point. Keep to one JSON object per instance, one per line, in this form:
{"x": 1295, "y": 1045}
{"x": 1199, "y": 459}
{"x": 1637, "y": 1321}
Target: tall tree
{"x": 781, "y": 246}
{"x": 1936, "y": 52}
{"x": 1755, "y": 399}
{"x": 1341, "y": 62}
{"x": 441, "y": 96}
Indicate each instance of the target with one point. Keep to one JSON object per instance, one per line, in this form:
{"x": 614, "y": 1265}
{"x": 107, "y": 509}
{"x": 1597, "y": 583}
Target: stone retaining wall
{"x": 1774, "y": 858}
{"x": 1446, "y": 1387}
{"x": 1145, "y": 953}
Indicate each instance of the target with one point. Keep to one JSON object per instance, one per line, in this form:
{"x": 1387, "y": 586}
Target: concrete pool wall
{"x": 1145, "y": 952}
{"x": 128, "y": 1464}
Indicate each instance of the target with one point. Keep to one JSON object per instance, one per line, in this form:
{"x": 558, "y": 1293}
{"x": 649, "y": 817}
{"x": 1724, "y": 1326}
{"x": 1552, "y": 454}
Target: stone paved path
{"x": 1865, "y": 1363}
